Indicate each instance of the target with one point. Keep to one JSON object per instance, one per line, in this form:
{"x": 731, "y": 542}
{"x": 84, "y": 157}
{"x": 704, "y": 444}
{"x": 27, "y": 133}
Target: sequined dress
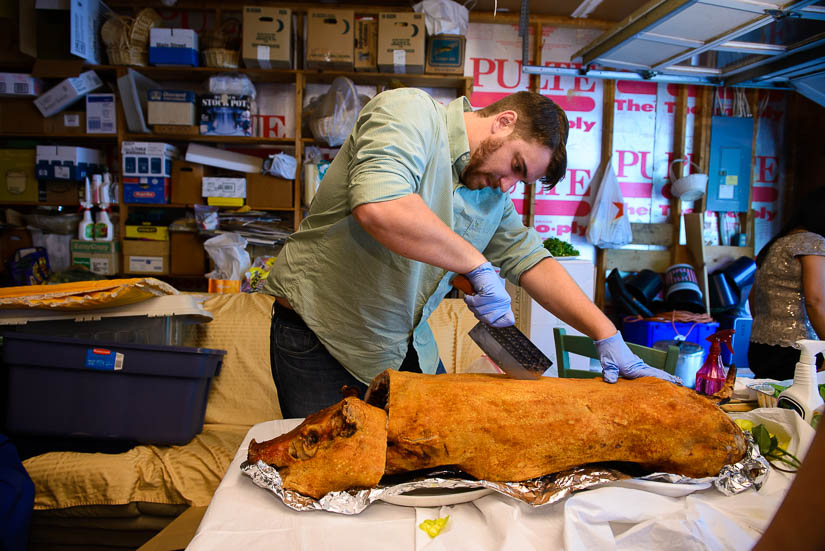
{"x": 776, "y": 300}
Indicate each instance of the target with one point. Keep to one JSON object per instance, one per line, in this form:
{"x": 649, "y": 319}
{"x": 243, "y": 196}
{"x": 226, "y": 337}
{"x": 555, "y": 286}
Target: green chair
{"x": 583, "y": 346}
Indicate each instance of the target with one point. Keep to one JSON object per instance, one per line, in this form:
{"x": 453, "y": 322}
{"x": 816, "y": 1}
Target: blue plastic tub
{"x": 648, "y": 332}
{"x": 151, "y": 394}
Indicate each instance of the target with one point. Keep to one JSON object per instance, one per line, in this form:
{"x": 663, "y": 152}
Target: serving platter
{"x": 436, "y": 497}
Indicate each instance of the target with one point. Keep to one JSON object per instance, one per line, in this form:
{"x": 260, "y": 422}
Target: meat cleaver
{"x": 508, "y": 347}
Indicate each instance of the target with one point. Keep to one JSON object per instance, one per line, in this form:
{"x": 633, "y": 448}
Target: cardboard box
{"x": 148, "y": 159}
{"x": 267, "y": 37}
{"x": 401, "y": 42}
{"x": 330, "y": 43}
{"x": 71, "y": 123}
{"x": 67, "y": 92}
{"x": 146, "y": 189}
{"x": 268, "y": 192}
{"x": 20, "y": 85}
{"x": 225, "y": 115}
{"x": 445, "y": 53}
{"x": 223, "y": 187}
{"x": 59, "y": 162}
{"x": 146, "y": 230}
{"x": 17, "y": 179}
{"x": 101, "y": 116}
{"x": 21, "y": 117}
{"x": 171, "y": 107}
{"x": 186, "y": 183}
{"x": 187, "y": 256}
{"x": 366, "y": 44}
{"x": 146, "y": 257}
{"x": 65, "y": 192}
{"x": 100, "y": 257}
{"x": 173, "y": 47}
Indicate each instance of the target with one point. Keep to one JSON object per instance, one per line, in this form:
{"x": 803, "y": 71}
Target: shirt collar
{"x": 457, "y": 133}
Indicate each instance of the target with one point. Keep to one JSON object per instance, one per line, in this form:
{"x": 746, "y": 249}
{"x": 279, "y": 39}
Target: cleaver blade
{"x": 511, "y": 350}
{"x": 508, "y": 347}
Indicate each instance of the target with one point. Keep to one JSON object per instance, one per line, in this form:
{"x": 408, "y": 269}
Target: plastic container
{"x": 691, "y": 356}
{"x": 164, "y": 320}
{"x": 648, "y": 332}
{"x": 77, "y": 388}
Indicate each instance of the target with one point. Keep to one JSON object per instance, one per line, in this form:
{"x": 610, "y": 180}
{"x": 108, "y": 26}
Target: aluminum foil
{"x": 751, "y": 471}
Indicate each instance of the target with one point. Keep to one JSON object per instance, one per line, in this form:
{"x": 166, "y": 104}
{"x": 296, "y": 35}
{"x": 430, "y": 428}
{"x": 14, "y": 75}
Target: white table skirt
{"x": 624, "y": 515}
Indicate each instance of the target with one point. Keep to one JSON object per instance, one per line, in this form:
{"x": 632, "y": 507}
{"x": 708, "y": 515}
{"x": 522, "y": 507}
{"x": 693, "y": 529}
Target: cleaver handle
{"x": 463, "y": 284}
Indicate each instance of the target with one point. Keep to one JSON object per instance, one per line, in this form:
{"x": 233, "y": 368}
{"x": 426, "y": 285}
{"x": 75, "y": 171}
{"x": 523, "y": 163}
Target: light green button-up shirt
{"x": 363, "y": 301}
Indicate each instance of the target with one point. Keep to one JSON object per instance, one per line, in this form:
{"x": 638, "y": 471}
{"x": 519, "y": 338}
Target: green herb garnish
{"x": 557, "y": 247}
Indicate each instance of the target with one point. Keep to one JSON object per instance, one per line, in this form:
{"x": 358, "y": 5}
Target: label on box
{"x": 71, "y": 119}
{"x": 225, "y": 115}
{"x": 100, "y": 114}
{"x": 223, "y": 187}
{"x": 399, "y": 60}
{"x": 103, "y": 359}
{"x": 152, "y": 264}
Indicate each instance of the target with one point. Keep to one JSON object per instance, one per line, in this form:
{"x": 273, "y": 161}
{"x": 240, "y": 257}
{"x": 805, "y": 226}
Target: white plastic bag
{"x": 228, "y": 252}
{"x": 332, "y": 116}
{"x": 281, "y": 165}
{"x": 444, "y": 16}
{"x": 609, "y": 225}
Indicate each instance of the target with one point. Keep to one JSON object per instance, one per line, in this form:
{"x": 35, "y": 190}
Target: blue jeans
{"x": 306, "y": 376}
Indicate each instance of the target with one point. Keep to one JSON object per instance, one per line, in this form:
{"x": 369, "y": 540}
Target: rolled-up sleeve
{"x": 513, "y": 247}
{"x": 391, "y": 145}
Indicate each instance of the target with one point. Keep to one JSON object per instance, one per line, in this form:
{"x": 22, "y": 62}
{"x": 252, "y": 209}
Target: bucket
{"x": 721, "y": 294}
{"x": 740, "y": 272}
{"x": 644, "y": 286}
{"x": 691, "y": 357}
{"x": 682, "y": 289}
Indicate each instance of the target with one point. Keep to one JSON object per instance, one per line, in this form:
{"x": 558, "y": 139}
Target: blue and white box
{"x": 146, "y": 189}
{"x": 148, "y": 159}
{"x": 59, "y": 162}
{"x": 173, "y": 47}
{"x": 101, "y": 117}
{"x": 67, "y": 92}
{"x": 171, "y": 107}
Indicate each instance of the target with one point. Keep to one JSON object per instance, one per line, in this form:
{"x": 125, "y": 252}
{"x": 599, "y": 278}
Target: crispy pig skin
{"x": 339, "y": 448}
{"x": 501, "y": 429}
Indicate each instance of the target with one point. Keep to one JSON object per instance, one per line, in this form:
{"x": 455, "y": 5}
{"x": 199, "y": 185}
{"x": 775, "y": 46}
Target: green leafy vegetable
{"x": 769, "y": 445}
{"x": 557, "y": 247}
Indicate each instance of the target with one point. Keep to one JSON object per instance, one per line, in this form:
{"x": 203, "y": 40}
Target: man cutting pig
{"x": 417, "y": 194}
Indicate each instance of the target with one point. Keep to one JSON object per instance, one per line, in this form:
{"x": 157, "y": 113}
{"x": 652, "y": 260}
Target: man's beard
{"x": 485, "y": 149}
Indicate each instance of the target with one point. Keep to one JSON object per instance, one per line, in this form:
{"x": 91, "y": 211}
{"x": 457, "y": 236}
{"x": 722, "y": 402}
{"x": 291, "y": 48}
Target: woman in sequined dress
{"x": 788, "y": 296}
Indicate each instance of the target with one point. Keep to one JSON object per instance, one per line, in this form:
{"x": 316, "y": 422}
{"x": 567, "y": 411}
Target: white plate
{"x": 436, "y": 497}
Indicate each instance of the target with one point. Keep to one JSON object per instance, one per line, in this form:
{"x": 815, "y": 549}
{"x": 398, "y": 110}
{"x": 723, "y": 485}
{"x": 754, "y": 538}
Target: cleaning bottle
{"x": 103, "y": 228}
{"x": 85, "y": 228}
{"x": 711, "y": 376}
{"x": 803, "y": 395}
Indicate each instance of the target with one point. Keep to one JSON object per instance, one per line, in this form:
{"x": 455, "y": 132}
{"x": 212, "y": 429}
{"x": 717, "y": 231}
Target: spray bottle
{"x": 803, "y": 395}
{"x": 85, "y": 229}
{"x": 103, "y": 228}
{"x": 711, "y": 376}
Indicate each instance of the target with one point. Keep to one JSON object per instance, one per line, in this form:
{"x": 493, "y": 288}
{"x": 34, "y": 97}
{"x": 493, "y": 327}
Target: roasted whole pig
{"x": 341, "y": 447}
{"x": 501, "y": 429}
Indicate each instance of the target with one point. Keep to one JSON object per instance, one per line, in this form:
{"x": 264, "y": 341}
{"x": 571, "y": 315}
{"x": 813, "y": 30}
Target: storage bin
{"x": 164, "y": 320}
{"x": 81, "y": 388}
{"x": 648, "y": 332}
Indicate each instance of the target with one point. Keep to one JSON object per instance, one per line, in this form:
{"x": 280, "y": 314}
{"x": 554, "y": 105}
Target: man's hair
{"x": 539, "y": 120}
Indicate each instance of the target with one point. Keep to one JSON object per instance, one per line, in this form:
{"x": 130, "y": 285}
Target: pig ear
{"x": 350, "y": 391}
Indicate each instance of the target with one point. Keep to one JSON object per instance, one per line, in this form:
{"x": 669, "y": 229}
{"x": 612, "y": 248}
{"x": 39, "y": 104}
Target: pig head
{"x": 341, "y": 447}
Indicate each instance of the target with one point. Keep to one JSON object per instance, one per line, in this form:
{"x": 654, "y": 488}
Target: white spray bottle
{"x": 86, "y": 227}
{"x": 803, "y": 396}
{"x": 104, "y": 229}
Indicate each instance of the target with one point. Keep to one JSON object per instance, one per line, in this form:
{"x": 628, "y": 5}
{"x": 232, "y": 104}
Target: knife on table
{"x": 508, "y": 347}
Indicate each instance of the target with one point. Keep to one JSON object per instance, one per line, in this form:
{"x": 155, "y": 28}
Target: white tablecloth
{"x": 624, "y": 515}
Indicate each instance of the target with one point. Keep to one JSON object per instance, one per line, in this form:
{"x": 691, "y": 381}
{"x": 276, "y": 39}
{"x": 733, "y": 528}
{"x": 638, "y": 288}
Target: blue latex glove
{"x": 617, "y": 359}
{"x": 491, "y": 303}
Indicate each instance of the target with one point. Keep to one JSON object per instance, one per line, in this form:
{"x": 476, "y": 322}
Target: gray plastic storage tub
{"x": 68, "y": 387}
{"x": 167, "y": 320}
